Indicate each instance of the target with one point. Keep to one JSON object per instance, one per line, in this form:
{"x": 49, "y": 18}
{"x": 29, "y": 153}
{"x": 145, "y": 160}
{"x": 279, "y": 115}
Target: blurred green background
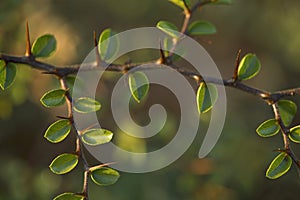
{"x": 236, "y": 166}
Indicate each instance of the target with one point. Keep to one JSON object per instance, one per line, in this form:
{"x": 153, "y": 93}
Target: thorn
{"x": 28, "y": 45}
{"x": 95, "y": 39}
{"x": 98, "y": 59}
{"x": 162, "y": 59}
{"x": 237, "y": 62}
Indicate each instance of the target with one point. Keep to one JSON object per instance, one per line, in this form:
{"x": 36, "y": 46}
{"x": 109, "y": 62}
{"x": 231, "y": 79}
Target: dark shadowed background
{"x": 235, "y": 169}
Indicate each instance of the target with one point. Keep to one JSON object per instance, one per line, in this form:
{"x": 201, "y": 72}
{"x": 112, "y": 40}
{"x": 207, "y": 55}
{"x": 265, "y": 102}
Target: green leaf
{"x": 268, "y": 128}
{"x": 58, "y": 131}
{"x": 108, "y": 44}
{"x": 287, "y": 111}
{"x": 248, "y": 67}
{"x": 201, "y": 28}
{"x": 64, "y": 163}
{"x": 168, "y": 28}
{"x": 44, "y": 46}
{"x": 180, "y": 3}
{"x": 139, "y": 85}
{"x": 279, "y": 166}
{"x": 221, "y": 2}
{"x": 54, "y": 98}
{"x": 7, "y": 74}
{"x": 295, "y": 134}
{"x": 168, "y": 44}
{"x": 207, "y": 96}
{"x": 97, "y": 136}
{"x": 105, "y": 176}
{"x": 86, "y": 105}
{"x": 69, "y": 196}
{"x": 71, "y": 82}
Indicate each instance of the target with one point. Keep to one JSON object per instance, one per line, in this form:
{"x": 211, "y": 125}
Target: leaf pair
{"x": 182, "y": 5}
{"x": 287, "y": 111}
{"x": 102, "y": 176}
{"x": 195, "y": 28}
{"x": 282, "y": 162}
{"x": 207, "y": 94}
{"x": 57, "y": 97}
{"x": 66, "y": 162}
{"x": 60, "y": 129}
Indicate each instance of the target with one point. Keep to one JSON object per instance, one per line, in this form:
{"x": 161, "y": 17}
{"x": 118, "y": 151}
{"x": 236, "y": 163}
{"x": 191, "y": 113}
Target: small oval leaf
{"x": 287, "y": 111}
{"x": 268, "y": 128}
{"x": 279, "y": 166}
{"x": 201, "y": 28}
{"x": 180, "y": 3}
{"x": 139, "y": 85}
{"x": 58, "y": 131}
{"x": 168, "y": 28}
{"x": 7, "y": 74}
{"x": 69, "y": 196}
{"x": 168, "y": 44}
{"x": 44, "y": 46}
{"x": 105, "y": 176}
{"x": 64, "y": 163}
{"x": 53, "y": 98}
{"x": 207, "y": 96}
{"x": 295, "y": 134}
{"x": 248, "y": 67}
{"x": 96, "y": 136}
{"x": 108, "y": 44}
{"x": 86, "y": 105}
{"x": 70, "y": 80}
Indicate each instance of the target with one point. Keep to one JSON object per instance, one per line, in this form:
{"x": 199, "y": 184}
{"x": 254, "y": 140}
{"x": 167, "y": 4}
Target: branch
{"x": 62, "y": 72}
{"x": 269, "y": 97}
{"x": 79, "y": 149}
{"x": 285, "y": 132}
